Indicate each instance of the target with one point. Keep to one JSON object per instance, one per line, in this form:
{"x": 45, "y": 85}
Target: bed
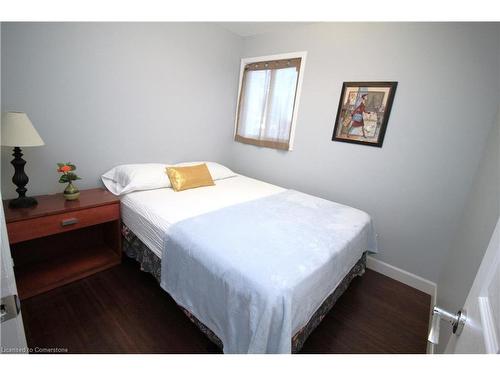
{"x": 179, "y": 237}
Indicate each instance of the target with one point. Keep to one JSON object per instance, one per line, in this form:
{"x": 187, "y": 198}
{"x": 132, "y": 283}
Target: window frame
{"x": 281, "y": 56}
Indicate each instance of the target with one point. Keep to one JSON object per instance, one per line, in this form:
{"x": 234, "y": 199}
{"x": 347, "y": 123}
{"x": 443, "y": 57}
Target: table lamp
{"x": 17, "y": 132}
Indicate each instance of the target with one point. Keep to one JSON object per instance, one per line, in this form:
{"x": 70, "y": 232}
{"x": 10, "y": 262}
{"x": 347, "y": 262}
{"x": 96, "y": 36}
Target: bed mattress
{"x": 150, "y": 213}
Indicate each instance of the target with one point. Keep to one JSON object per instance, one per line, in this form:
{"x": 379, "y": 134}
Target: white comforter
{"x": 255, "y": 272}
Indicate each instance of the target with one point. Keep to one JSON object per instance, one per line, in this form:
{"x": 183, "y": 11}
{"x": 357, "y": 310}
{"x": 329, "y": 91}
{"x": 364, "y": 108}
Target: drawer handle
{"x": 70, "y": 221}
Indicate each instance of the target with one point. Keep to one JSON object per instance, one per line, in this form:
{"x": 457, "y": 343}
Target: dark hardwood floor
{"x": 124, "y": 310}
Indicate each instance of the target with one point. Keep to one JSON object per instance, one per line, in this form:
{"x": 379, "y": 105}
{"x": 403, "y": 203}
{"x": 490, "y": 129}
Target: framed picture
{"x": 363, "y": 112}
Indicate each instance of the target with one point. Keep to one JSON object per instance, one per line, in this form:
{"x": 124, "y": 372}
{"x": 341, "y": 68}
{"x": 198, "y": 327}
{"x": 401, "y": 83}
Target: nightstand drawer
{"x": 44, "y": 226}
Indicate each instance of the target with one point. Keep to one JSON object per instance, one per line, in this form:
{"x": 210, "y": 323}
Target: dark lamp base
{"x": 20, "y": 180}
{"x": 23, "y": 202}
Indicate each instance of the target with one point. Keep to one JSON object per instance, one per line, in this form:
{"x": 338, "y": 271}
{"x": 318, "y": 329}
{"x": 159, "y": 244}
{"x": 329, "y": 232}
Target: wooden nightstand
{"x": 59, "y": 241}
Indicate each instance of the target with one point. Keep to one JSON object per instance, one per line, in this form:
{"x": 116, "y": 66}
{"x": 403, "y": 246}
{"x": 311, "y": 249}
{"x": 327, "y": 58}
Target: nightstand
{"x": 59, "y": 241}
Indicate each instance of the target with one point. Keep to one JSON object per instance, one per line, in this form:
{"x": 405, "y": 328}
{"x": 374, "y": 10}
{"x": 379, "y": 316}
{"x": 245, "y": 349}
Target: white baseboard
{"x": 403, "y": 276}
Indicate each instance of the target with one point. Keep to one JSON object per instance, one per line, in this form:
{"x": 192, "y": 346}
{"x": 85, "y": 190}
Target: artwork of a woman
{"x": 357, "y": 122}
{"x": 363, "y": 112}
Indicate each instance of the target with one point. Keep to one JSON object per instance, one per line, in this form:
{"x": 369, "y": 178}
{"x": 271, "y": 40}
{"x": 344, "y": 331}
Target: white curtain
{"x": 267, "y": 104}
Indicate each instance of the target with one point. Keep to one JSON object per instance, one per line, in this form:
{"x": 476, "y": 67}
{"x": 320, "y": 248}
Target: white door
{"x": 481, "y": 332}
{"x": 12, "y": 338}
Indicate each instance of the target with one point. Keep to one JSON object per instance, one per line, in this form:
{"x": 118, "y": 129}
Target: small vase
{"x": 71, "y": 193}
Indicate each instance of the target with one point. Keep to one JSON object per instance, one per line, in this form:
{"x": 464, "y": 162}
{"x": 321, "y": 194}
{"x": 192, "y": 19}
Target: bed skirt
{"x": 150, "y": 262}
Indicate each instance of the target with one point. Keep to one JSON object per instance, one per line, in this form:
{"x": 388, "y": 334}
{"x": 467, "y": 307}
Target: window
{"x": 268, "y": 100}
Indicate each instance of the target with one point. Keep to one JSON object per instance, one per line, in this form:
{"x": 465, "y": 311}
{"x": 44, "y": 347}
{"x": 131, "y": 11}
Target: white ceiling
{"x": 253, "y": 28}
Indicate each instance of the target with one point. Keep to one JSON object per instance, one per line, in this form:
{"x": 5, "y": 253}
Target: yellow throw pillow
{"x": 194, "y": 176}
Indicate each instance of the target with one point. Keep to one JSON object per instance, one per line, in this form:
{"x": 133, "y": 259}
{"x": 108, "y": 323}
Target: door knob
{"x": 457, "y": 322}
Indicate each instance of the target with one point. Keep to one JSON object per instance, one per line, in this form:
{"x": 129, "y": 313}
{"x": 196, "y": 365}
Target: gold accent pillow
{"x": 183, "y": 178}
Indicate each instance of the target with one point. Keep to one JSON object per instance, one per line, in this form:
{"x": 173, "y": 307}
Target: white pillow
{"x": 127, "y": 178}
{"x": 217, "y": 171}
{"x": 131, "y": 177}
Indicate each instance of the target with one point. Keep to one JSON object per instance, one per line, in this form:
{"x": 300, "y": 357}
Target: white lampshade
{"x": 18, "y": 131}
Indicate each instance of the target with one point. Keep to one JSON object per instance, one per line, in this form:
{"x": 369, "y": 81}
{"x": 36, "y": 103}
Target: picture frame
{"x": 363, "y": 112}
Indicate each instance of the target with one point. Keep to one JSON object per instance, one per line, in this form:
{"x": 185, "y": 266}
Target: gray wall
{"x": 473, "y": 235}
{"x": 109, "y": 93}
{"x": 416, "y": 185}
